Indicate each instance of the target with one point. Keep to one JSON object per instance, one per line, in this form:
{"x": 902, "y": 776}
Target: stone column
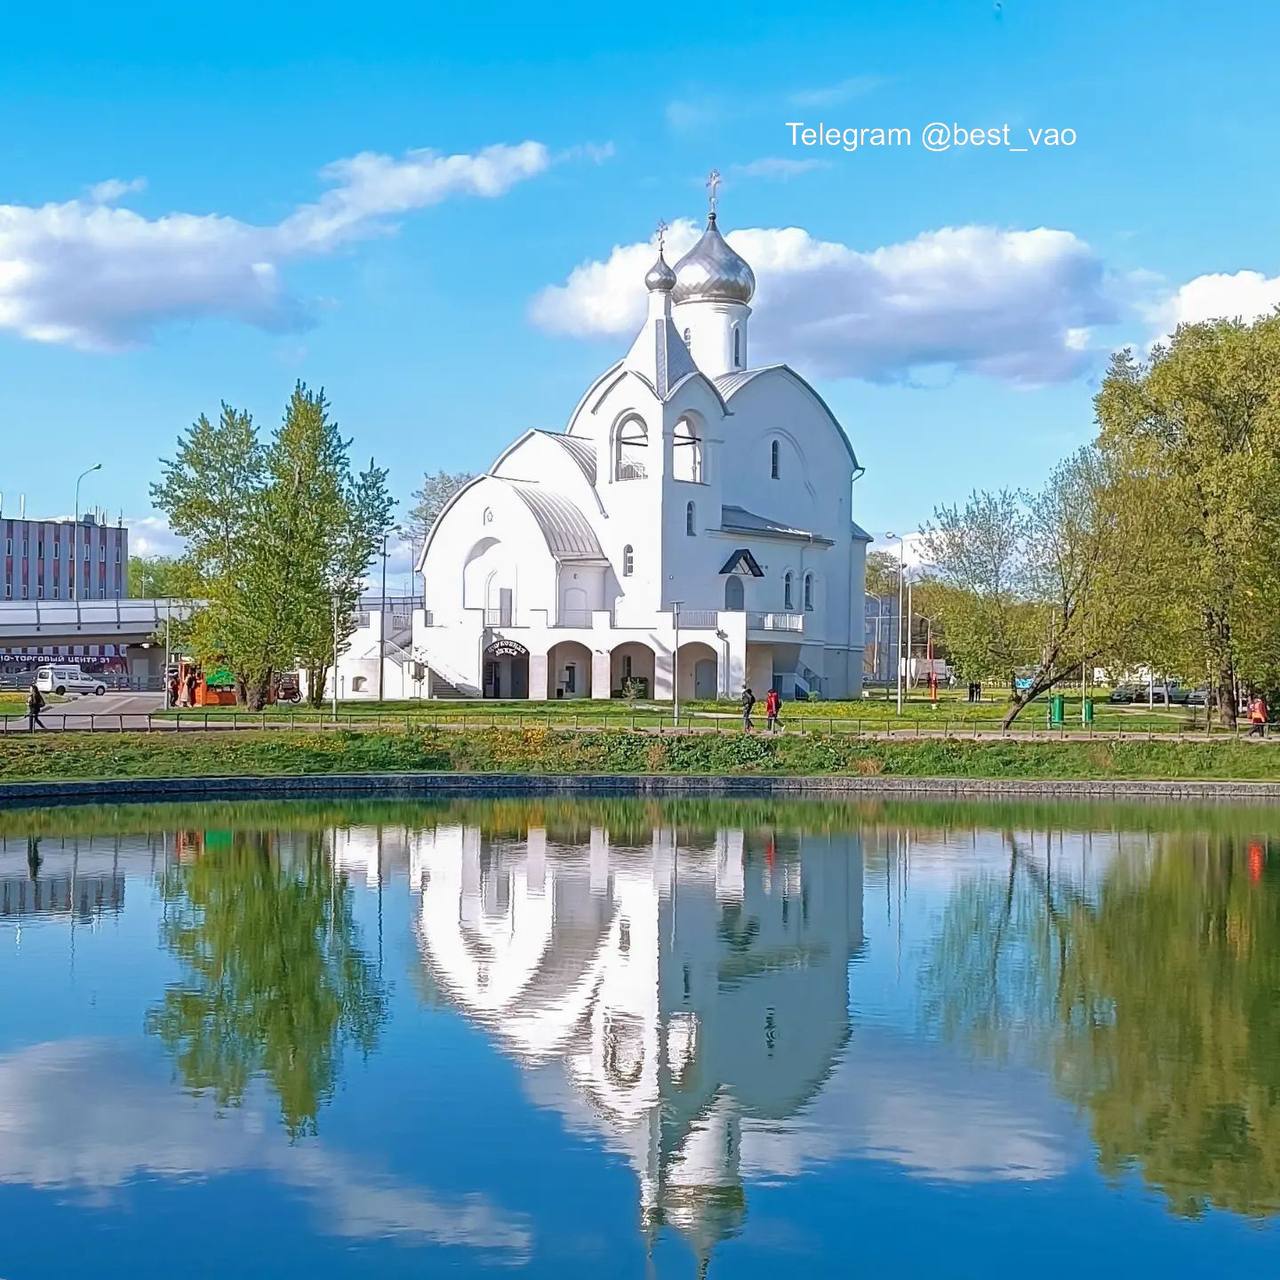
{"x": 537, "y": 677}
{"x": 601, "y": 674}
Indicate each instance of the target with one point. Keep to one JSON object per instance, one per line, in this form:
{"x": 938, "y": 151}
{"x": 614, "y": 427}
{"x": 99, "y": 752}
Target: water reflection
{"x": 661, "y": 994}
{"x": 727, "y": 1013}
{"x": 275, "y": 983}
{"x": 1151, "y": 995}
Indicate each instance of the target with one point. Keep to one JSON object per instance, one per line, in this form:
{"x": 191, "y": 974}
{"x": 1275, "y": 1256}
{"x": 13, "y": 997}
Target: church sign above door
{"x": 506, "y": 649}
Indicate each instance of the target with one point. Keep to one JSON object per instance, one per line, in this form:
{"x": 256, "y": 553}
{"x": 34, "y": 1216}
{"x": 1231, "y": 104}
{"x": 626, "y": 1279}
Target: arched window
{"x": 786, "y": 592}
{"x": 628, "y": 561}
{"x": 734, "y": 595}
{"x": 690, "y": 517}
{"x": 358, "y": 684}
{"x": 631, "y": 448}
{"x": 737, "y": 347}
{"x": 686, "y": 337}
{"x": 774, "y": 460}
{"x": 488, "y": 515}
{"x": 808, "y": 591}
{"x": 686, "y": 452}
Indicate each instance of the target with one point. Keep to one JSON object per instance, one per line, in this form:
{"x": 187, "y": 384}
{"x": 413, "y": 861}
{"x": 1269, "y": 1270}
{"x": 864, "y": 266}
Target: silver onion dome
{"x": 660, "y": 278}
{"x": 712, "y": 272}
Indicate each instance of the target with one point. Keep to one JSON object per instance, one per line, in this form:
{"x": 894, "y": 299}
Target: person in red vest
{"x": 772, "y": 708}
{"x": 1258, "y": 717}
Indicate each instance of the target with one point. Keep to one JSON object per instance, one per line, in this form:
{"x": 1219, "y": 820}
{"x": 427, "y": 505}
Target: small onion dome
{"x": 712, "y": 272}
{"x": 660, "y": 278}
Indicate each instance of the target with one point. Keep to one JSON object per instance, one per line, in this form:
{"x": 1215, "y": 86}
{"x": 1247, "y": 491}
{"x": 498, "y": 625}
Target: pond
{"x": 639, "y": 1039}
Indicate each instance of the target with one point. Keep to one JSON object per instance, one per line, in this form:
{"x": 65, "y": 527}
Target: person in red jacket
{"x": 1258, "y": 717}
{"x": 772, "y": 708}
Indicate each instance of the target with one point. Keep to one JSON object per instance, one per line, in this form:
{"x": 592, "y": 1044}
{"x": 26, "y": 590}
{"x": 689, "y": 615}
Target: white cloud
{"x": 775, "y": 167}
{"x": 91, "y": 275}
{"x": 1016, "y": 305}
{"x": 151, "y": 536}
{"x": 692, "y": 115}
{"x": 113, "y": 189}
{"x": 832, "y": 95}
{"x": 1246, "y": 294}
{"x": 136, "y": 1124}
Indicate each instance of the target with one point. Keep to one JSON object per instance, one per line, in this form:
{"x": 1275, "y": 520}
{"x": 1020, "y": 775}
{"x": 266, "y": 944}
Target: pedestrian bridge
{"x": 37, "y": 623}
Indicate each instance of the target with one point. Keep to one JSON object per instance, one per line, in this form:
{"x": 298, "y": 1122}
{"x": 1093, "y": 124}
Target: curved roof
{"x": 582, "y": 451}
{"x": 568, "y": 535}
{"x": 729, "y": 384}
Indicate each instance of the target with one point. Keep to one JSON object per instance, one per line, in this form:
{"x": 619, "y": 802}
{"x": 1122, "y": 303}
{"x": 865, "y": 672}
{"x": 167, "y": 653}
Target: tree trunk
{"x": 1225, "y": 691}
{"x": 316, "y": 679}
{"x": 1012, "y": 714}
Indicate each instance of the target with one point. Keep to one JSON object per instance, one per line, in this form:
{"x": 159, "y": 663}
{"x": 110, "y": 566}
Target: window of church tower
{"x": 488, "y": 515}
{"x": 786, "y": 592}
{"x": 686, "y": 452}
{"x": 628, "y": 561}
{"x": 690, "y": 518}
{"x": 808, "y": 591}
{"x": 774, "y": 460}
{"x": 632, "y": 446}
{"x": 737, "y": 347}
{"x": 687, "y": 337}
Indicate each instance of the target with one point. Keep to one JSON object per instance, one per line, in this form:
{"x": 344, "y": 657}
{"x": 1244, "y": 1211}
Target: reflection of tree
{"x": 1155, "y": 1006}
{"x": 274, "y": 983}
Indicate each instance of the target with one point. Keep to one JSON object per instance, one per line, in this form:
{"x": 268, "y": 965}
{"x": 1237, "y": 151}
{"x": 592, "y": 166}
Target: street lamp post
{"x": 675, "y": 663}
{"x": 75, "y": 528}
{"x": 902, "y": 564}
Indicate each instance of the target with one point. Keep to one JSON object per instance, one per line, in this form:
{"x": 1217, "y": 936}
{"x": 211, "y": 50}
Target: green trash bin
{"x": 1088, "y": 711}
{"x": 1057, "y": 710}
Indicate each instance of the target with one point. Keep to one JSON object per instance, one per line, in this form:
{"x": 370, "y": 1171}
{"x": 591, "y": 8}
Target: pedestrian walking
{"x": 191, "y": 688}
{"x": 748, "y": 701}
{"x": 35, "y": 705}
{"x": 772, "y": 709}
{"x": 1258, "y": 717}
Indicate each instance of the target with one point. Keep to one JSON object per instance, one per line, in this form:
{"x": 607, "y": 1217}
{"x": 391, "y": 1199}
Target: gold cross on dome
{"x": 713, "y": 182}
{"x": 662, "y": 235}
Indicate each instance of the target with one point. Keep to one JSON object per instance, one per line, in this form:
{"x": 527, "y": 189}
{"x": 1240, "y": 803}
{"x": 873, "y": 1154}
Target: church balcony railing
{"x": 698, "y": 620}
{"x": 775, "y": 622}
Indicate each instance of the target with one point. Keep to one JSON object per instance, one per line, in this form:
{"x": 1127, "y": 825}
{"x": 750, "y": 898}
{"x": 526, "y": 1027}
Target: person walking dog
{"x": 748, "y": 701}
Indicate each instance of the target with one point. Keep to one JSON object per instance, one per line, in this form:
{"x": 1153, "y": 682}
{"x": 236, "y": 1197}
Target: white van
{"x": 63, "y": 680}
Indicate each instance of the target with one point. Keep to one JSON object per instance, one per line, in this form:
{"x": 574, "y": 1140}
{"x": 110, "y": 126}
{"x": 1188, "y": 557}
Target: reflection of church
{"x": 660, "y": 995}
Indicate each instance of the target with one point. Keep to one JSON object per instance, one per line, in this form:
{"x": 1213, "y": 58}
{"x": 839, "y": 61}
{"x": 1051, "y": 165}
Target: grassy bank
{"x": 870, "y": 714}
{"x": 535, "y": 750}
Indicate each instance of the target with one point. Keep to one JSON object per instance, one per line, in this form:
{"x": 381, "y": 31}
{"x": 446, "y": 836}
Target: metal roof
{"x": 743, "y": 562}
{"x": 568, "y": 535}
{"x": 583, "y": 452}
{"x": 739, "y": 518}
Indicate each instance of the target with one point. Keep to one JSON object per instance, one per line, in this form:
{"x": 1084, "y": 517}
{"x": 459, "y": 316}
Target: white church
{"x": 690, "y": 494}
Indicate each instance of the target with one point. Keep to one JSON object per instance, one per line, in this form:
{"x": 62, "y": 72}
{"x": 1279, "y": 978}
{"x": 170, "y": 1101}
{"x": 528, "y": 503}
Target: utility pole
{"x": 382, "y": 622}
{"x": 333, "y": 668}
{"x": 902, "y": 563}
{"x": 675, "y": 662}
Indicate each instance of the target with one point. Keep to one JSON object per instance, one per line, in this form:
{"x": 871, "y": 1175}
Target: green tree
{"x": 276, "y": 534}
{"x": 161, "y": 577}
{"x": 273, "y": 982}
{"x": 429, "y": 501}
{"x": 882, "y": 574}
{"x": 1044, "y": 582}
{"x": 1196, "y": 429}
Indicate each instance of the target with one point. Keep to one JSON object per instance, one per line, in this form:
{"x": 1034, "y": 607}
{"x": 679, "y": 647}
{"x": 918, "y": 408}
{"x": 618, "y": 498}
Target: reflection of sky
{"x": 912, "y": 1155}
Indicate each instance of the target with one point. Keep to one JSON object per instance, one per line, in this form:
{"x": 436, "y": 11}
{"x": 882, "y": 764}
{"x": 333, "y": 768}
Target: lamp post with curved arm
{"x": 75, "y": 531}
{"x": 893, "y": 537}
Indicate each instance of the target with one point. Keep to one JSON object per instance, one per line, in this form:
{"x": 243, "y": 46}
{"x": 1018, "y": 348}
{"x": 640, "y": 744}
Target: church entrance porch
{"x": 569, "y": 670}
{"x": 697, "y": 669}
{"x": 634, "y": 664}
{"x": 506, "y": 670}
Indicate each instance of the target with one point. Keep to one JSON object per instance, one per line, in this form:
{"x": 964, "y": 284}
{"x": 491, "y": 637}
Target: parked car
{"x": 1126, "y": 693}
{"x": 64, "y": 680}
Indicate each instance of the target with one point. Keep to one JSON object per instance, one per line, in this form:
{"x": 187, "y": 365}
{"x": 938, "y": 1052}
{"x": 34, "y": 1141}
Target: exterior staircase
{"x": 441, "y": 688}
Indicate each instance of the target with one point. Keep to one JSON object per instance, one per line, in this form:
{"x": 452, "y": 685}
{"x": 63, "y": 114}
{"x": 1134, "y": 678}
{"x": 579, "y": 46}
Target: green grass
{"x": 535, "y": 750}
{"x": 951, "y": 712}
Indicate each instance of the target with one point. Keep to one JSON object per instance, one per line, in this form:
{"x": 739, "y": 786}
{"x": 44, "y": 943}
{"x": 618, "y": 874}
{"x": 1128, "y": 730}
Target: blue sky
{"x": 124, "y": 313}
